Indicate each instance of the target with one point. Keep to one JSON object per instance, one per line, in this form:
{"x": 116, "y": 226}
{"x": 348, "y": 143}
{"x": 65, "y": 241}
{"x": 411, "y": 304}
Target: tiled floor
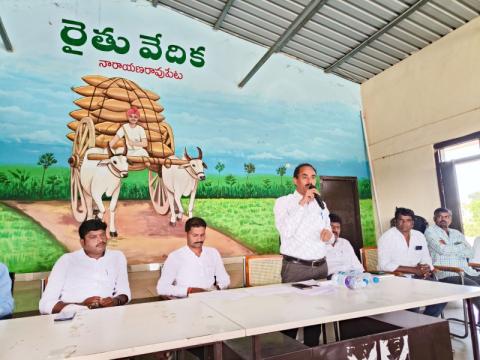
{"x": 462, "y": 347}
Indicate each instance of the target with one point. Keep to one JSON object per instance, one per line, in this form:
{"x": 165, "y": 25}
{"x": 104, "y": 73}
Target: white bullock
{"x": 103, "y": 177}
{"x": 183, "y": 180}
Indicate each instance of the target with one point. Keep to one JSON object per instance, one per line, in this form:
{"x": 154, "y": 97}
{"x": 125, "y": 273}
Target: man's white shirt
{"x": 183, "y": 269}
{"x": 341, "y": 257}
{"x": 300, "y": 227}
{"x": 394, "y": 252}
{"x": 136, "y": 133}
{"x": 76, "y": 276}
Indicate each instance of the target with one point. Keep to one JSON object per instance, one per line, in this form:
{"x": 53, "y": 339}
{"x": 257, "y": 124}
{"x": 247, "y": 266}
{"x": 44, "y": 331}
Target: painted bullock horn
{"x": 200, "y": 154}
{"x": 186, "y": 155}
{"x": 110, "y": 152}
{"x": 125, "y": 148}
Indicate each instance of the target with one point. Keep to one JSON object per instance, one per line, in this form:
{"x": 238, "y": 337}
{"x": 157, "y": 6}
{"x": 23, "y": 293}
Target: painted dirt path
{"x": 144, "y": 236}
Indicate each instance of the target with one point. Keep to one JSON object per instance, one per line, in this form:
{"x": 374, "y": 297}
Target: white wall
{"x": 432, "y": 96}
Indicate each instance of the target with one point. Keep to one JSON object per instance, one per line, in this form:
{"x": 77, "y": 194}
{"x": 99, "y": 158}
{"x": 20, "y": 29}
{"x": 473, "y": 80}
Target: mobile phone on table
{"x": 301, "y": 286}
{"x": 63, "y": 316}
{"x": 377, "y": 272}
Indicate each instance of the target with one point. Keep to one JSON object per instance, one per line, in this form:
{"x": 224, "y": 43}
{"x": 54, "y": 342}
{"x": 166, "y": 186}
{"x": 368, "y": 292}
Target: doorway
{"x": 341, "y": 195}
{"x": 458, "y": 170}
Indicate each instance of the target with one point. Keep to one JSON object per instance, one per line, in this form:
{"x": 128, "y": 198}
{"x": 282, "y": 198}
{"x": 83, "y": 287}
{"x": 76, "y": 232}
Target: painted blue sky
{"x": 288, "y": 113}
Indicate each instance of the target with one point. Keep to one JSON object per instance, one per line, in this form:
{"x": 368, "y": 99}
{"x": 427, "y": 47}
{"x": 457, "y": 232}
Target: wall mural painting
{"x": 72, "y": 121}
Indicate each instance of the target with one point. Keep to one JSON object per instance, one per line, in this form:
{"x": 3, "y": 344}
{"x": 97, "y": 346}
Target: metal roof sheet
{"x": 354, "y": 39}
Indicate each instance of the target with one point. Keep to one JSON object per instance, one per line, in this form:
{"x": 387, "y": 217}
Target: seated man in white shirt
{"x": 6, "y": 298}
{"x": 402, "y": 249}
{"x": 340, "y": 253}
{"x": 92, "y": 277}
{"x": 193, "y": 267}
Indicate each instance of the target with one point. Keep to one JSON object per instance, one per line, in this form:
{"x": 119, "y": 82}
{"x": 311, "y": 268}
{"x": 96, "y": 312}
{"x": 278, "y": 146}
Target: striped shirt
{"x": 455, "y": 252}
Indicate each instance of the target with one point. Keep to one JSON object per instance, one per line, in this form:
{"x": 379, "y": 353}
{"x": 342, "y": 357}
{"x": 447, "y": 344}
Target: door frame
{"x": 438, "y": 147}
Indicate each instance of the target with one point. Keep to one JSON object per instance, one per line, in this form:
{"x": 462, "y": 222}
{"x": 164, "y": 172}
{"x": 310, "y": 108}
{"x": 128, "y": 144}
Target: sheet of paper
{"x": 221, "y": 295}
{"x": 268, "y": 290}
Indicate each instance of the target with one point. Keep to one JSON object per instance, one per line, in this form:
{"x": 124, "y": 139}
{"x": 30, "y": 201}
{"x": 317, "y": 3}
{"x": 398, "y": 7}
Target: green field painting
{"x": 25, "y": 246}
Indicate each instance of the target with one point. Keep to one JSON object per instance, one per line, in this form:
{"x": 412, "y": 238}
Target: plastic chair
{"x": 263, "y": 270}
{"x": 476, "y": 251}
{"x": 12, "y": 277}
{"x": 369, "y": 257}
{"x": 460, "y": 273}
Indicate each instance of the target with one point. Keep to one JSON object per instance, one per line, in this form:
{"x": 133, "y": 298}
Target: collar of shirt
{"x": 83, "y": 256}
{"x": 297, "y": 195}
{"x": 439, "y": 230}
{"x": 191, "y": 253}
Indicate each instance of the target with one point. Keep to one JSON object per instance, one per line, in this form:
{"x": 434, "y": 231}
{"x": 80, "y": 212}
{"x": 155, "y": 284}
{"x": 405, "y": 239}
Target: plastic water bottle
{"x": 354, "y": 279}
{"x": 339, "y": 278}
{"x": 369, "y": 279}
{"x": 355, "y": 282}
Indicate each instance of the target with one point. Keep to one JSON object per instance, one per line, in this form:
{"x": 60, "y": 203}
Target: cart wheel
{"x": 158, "y": 194}
{"x": 77, "y": 199}
{"x": 83, "y": 140}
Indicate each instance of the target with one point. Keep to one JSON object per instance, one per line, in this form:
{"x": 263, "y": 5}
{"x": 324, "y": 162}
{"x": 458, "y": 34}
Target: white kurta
{"x": 136, "y": 133}
{"x": 341, "y": 257}
{"x": 184, "y": 269}
{"x": 394, "y": 252}
{"x": 77, "y": 276}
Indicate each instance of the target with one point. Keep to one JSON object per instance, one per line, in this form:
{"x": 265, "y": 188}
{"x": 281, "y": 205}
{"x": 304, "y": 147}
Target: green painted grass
{"x": 368, "y": 223}
{"x": 25, "y": 246}
{"x": 251, "y": 221}
{"x": 27, "y": 185}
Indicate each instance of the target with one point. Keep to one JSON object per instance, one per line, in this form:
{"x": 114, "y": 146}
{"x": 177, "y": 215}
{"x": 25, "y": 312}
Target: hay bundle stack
{"x": 106, "y": 101}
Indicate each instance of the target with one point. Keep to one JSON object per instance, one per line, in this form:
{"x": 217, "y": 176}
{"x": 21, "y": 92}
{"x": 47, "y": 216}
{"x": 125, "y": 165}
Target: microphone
{"x": 317, "y": 198}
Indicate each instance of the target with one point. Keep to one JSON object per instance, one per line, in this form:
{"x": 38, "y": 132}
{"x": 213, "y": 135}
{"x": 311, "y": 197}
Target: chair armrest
{"x": 396, "y": 273}
{"x": 474, "y": 265}
{"x": 167, "y": 297}
{"x": 449, "y": 268}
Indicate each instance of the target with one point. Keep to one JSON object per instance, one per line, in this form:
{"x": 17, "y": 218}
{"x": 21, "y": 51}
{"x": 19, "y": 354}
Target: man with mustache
{"x": 194, "y": 267}
{"x": 135, "y": 136}
{"x": 403, "y": 249}
{"x": 448, "y": 247}
{"x": 304, "y": 227}
{"x": 340, "y": 253}
{"x": 92, "y": 277}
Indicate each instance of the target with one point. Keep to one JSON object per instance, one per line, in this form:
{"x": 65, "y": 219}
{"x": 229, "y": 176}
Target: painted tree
{"x": 219, "y": 167}
{"x": 53, "y": 181}
{"x": 230, "y": 180}
{"x": 249, "y": 169}
{"x": 4, "y": 180}
{"x": 20, "y": 176}
{"x": 281, "y": 171}
{"x": 45, "y": 160}
{"x": 267, "y": 183}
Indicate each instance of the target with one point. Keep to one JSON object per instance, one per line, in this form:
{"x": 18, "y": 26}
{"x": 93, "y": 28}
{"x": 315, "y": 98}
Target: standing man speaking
{"x": 302, "y": 220}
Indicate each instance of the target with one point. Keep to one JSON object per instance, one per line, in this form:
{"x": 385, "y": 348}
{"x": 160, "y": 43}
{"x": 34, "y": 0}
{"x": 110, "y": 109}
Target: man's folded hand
{"x": 194, "y": 290}
{"x": 93, "y": 302}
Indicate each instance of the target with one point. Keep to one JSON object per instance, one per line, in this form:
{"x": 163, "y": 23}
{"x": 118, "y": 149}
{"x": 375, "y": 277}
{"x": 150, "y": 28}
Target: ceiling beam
{"x": 224, "y": 13}
{"x": 4, "y": 35}
{"x": 308, "y": 12}
{"x": 377, "y": 34}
